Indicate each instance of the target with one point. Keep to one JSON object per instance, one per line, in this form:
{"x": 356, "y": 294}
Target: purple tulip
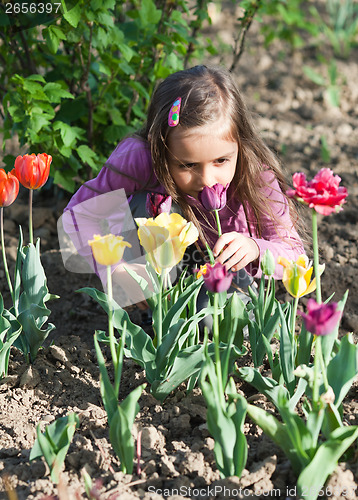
{"x": 321, "y": 319}
{"x": 216, "y": 278}
{"x": 213, "y": 198}
{"x": 157, "y": 203}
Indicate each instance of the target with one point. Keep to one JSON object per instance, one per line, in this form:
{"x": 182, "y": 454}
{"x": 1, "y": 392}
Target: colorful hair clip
{"x": 173, "y": 118}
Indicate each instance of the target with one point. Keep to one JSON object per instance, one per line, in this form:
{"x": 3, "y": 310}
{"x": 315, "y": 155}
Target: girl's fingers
{"x": 224, "y": 240}
{"x": 229, "y": 251}
{"x": 237, "y": 261}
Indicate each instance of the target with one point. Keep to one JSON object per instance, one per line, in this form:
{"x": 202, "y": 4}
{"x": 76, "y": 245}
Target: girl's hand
{"x": 237, "y": 251}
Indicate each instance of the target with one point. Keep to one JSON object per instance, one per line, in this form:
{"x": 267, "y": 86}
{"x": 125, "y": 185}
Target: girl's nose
{"x": 206, "y": 176}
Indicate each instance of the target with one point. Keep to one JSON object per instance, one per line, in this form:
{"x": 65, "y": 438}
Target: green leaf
{"x": 267, "y": 386}
{"x": 8, "y": 336}
{"x": 87, "y": 155}
{"x": 120, "y": 429}
{"x": 343, "y": 368}
{"x": 187, "y": 363}
{"x": 109, "y": 398}
{"x": 73, "y": 15}
{"x": 225, "y": 424}
{"x": 287, "y": 354}
{"x": 53, "y": 444}
{"x": 35, "y": 89}
{"x": 53, "y": 35}
{"x": 69, "y": 135}
{"x": 139, "y": 344}
{"x": 148, "y": 13}
{"x": 55, "y": 92}
{"x": 314, "y": 76}
{"x": 314, "y": 475}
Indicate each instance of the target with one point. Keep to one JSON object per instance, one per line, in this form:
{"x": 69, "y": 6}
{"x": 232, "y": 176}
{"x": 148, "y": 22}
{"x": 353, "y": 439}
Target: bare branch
{"x": 246, "y": 21}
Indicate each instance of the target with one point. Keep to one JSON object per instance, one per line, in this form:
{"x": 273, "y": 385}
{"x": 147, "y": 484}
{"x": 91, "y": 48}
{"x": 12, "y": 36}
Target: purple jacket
{"x": 130, "y": 168}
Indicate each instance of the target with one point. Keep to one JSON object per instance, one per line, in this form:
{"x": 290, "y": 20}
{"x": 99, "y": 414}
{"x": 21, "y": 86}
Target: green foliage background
{"x": 75, "y": 82}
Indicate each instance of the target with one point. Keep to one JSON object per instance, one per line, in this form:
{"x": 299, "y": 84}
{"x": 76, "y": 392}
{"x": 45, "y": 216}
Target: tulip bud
{"x": 9, "y": 188}
{"x": 268, "y": 263}
{"x": 158, "y": 203}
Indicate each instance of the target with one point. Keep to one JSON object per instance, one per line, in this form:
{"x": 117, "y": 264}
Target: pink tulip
{"x": 322, "y": 193}
{"x": 321, "y": 319}
{"x": 216, "y": 278}
{"x": 213, "y": 198}
{"x": 158, "y": 203}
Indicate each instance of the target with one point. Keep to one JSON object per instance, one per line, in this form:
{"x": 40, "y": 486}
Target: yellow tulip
{"x": 165, "y": 239}
{"x": 297, "y": 276}
{"x": 108, "y": 250}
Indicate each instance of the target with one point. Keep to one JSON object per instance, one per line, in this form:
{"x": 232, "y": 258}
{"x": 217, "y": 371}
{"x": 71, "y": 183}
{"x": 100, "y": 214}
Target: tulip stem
{"x": 216, "y": 212}
{"x": 110, "y": 327}
{"x": 4, "y": 255}
{"x": 315, "y": 379}
{"x": 160, "y": 311}
{"x": 31, "y": 234}
{"x": 322, "y": 363}
{"x": 316, "y": 256}
{"x": 217, "y": 349}
{"x": 294, "y": 315}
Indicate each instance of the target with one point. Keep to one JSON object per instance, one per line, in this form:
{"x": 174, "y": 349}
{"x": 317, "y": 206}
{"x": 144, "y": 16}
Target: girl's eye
{"x": 220, "y": 161}
{"x": 187, "y": 165}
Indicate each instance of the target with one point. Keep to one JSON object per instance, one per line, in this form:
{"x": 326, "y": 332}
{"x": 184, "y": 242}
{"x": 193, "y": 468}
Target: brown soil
{"x": 177, "y": 450}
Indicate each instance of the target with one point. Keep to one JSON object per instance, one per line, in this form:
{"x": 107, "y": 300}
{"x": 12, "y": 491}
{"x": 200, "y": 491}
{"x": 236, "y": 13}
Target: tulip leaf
{"x": 150, "y": 297}
{"x": 120, "y": 429}
{"x": 278, "y": 432}
{"x": 341, "y": 379}
{"x": 175, "y": 311}
{"x": 187, "y": 363}
{"x": 54, "y": 443}
{"x": 267, "y": 386}
{"x": 235, "y": 319}
{"x": 109, "y": 398}
{"x": 287, "y": 353}
{"x": 325, "y": 460}
{"x": 8, "y": 336}
{"x": 139, "y": 344}
{"x": 304, "y": 350}
{"x": 225, "y": 423}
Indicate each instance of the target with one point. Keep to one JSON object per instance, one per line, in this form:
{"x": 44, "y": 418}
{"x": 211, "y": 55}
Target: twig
{"x": 30, "y": 62}
{"x": 193, "y": 36}
{"x": 102, "y": 453}
{"x": 123, "y": 487}
{"x": 246, "y": 22}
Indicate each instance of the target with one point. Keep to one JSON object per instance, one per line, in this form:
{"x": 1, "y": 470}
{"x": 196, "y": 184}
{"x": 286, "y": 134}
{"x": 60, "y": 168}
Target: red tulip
{"x": 158, "y": 203}
{"x": 9, "y": 188}
{"x": 322, "y": 193}
{"x": 216, "y": 278}
{"x": 33, "y": 171}
{"x": 321, "y": 319}
{"x": 213, "y": 198}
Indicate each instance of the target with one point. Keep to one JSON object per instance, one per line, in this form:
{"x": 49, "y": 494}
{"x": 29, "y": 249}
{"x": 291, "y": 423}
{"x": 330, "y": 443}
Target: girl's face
{"x": 198, "y": 157}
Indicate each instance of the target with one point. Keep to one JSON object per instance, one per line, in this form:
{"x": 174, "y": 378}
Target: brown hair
{"x": 209, "y": 94}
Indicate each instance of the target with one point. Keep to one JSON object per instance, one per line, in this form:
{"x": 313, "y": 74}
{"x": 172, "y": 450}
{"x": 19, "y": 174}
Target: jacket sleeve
{"x": 279, "y": 236}
{"x": 101, "y": 204}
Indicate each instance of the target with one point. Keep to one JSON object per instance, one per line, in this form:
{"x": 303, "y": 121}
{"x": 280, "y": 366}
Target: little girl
{"x": 207, "y": 139}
